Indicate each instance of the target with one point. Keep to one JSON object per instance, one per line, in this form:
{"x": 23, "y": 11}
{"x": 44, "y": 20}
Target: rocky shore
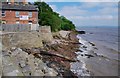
{"x": 53, "y": 59}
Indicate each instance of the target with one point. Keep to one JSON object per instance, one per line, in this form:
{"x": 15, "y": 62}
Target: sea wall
{"x": 26, "y": 39}
{"x": 22, "y": 40}
{"x": 46, "y": 33}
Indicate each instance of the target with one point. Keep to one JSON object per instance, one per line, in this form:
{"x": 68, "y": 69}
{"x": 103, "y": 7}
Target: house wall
{"x": 11, "y": 18}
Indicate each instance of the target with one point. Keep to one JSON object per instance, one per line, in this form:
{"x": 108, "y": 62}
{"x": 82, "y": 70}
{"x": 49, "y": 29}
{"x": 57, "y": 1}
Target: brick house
{"x": 19, "y": 13}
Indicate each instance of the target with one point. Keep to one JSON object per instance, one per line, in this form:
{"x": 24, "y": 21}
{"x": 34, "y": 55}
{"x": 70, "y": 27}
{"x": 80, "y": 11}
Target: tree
{"x": 47, "y": 17}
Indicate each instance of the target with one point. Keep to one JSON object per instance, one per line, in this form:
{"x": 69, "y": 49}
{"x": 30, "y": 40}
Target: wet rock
{"x": 79, "y": 50}
{"x": 85, "y": 47}
{"x": 81, "y": 54}
{"x": 88, "y": 55}
{"x": 92, "y": 43}
{"x": 91, "y": 33}
{"x": 81, "y": 32}
{"x": 96, "y": 48}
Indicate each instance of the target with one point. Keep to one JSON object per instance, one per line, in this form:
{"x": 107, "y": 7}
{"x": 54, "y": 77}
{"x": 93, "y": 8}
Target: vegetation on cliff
{"x": 48, "y": 17}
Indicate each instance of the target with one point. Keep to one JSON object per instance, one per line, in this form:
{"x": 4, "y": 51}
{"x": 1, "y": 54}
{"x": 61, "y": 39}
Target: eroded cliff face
{"x": 17, "y": 61}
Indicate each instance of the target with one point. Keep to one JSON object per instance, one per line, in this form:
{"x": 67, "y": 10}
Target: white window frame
{"x": 17, "y": 22}
{"x": 17, "y": 15}
{"x": 30, "y": 14}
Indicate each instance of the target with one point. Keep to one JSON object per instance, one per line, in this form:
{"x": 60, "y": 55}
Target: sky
{"x": 87, "y": 12}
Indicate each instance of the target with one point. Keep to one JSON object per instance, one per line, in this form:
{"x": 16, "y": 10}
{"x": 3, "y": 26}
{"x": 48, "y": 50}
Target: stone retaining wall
{"x": 22, "y": 40}
{"x": 46, "y": 33}
{"x": 27, "y": 39}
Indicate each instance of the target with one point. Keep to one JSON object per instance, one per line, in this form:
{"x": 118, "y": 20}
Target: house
{"x": 19, "y": 13}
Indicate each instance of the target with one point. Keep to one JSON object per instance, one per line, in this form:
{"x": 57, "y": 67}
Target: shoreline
{"x": 92, "y": 56}
{"x": 67, "y": 55}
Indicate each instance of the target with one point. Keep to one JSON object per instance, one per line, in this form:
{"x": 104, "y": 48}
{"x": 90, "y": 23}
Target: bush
{"x": 46, "y": 16}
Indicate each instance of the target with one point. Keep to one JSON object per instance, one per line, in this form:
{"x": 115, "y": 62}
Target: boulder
{"x": 19, "y": 63}
{"x": 64, "y": 34}
{"x": 10, "y": 68}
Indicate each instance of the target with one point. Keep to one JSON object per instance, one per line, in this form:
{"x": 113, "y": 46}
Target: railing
{"x": 18, "y": 27}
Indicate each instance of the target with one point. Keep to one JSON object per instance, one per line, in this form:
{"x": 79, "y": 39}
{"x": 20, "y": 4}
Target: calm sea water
{"x": 106, "y": 36}
{"x": 106, "y": 42}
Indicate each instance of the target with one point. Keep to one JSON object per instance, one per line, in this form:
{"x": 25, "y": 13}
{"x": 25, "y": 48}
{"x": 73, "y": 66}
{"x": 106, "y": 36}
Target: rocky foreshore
{"x": 53, "y": 59}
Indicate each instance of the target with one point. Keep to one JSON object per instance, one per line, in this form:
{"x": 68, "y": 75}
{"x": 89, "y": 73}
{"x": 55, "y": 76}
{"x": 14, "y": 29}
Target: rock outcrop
{"x": 20, "y": 63}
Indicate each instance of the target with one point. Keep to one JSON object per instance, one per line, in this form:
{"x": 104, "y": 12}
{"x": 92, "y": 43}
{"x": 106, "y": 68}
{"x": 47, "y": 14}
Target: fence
{"x": 18, "y": 27}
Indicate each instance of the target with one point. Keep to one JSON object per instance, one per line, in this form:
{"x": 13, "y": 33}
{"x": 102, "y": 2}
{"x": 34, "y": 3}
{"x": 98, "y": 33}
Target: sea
{"x": 102, "y": 43}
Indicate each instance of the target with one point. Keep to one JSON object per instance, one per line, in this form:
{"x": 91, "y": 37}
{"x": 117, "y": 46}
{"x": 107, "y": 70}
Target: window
{"x": 30, "y": 14}
{"x": 30, "y": 22}
{"x": 17, "y": 14}
{"x": 17, "y": 22}
{"x": 3, "y": 13}
{"x": 3, "y": 22}
{"x": 8, "y": 0}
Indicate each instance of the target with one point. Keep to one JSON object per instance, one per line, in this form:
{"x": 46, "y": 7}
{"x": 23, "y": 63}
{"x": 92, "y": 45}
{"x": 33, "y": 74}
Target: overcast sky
{"x": 87, "y": 12}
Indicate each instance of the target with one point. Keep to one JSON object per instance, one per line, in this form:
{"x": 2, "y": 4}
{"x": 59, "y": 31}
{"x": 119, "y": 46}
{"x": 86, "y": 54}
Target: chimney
{"x": 12, "y": 2}
{"x": 15, "y": 1}
{"x": 24, "y": 1}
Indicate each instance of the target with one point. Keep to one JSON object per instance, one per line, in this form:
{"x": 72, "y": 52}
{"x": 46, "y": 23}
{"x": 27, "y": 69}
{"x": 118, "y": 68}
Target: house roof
{"x": 19, "y": 7}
